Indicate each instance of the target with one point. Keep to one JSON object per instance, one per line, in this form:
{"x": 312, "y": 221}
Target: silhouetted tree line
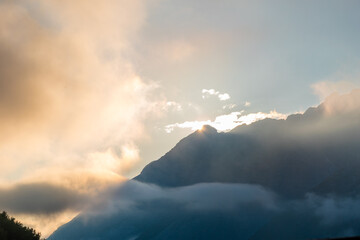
{"x": 10, "y": 229}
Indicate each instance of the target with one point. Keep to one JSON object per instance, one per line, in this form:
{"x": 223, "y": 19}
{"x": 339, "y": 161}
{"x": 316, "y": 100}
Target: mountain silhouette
{"x": 274, "y": 179}
{"x": 289, "y": 156}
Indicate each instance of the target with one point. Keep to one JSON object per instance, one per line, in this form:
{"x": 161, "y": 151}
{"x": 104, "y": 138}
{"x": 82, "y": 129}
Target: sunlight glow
{"x": 227, "y": 122}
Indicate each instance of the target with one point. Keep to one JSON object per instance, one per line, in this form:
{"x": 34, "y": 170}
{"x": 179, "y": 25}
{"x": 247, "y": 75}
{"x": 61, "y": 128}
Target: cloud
{"x": 202, "y": 196}
{"x": 224, "y": 96}
{"x": 209, "y": 92}
{"x": 252, "y": 210}
{"x": 265, "y": 153}
{"x": 345, "y": 107}
{"x": 247, "y": 104}
{"x": 66, "y": 89}
{"x": 220, "y": 196}
{"x": 326, "y": 88}
{"x": 136, "y": 206}
{"x": 174, "y": 106}
{"x": 350, "y": 103}
{"x": 320, "y": 217}
{"x": 50, "y": 197}
{"x": 47, "y": 204}
{"x": 334, "y": 210}
{"x": 229, "y": 106}
{"x": 212, "y": 92}
{"x": 47, "y": 223}
{"x": 118, "y": 163}
{"x": 40, "y": 198}
{"x": 259, "y": 154}
{"x": 71, "y": 102}
{"x": 227, "y": 122}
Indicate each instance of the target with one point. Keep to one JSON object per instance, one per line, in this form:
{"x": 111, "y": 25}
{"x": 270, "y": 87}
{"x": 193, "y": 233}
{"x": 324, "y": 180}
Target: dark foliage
{"x": 10, "y": 229}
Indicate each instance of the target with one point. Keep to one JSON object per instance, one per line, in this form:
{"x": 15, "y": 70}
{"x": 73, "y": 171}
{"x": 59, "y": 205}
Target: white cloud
{"x": 229, "y": 106}
{"x": 209, "y": 92}
{"x": 227, "y": 122}
{"x": 247, "y": 104}
{"x": 224, "y": 96}
{"x": 254, "y": 117}
{"x": 173, "y": 106}
{"x": 193, "y": 125}
{"x": 212, "y": 92}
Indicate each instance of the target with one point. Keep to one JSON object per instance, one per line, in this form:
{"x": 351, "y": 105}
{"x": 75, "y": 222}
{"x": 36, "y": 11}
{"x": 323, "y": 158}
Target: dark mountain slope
{"x": 274, "y": 179}
{"x": 290, "y": 157}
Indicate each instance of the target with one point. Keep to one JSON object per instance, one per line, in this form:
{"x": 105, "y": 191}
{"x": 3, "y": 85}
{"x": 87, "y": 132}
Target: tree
{"x": 10, "y": 229}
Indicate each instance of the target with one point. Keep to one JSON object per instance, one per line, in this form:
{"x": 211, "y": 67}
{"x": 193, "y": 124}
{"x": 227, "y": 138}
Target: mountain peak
{"x": 310, "y": 158}
{"x": 207, "y": 129}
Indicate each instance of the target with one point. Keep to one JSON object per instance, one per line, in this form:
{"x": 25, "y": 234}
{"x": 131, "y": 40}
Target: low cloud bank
{"x": 140, "y": 210}
{"x": 40, "y": 198}
{"x": 202, "y": 196}
{"x": 335, "y": 210}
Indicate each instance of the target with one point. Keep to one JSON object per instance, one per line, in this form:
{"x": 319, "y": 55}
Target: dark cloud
{"x": 40, "y": 198}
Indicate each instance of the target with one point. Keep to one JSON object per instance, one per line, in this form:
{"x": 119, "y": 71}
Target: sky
{"x": 92, "y": 91}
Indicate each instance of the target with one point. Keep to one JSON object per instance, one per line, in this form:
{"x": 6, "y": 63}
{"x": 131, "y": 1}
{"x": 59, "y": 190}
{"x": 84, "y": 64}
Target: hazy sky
{"x": 91, "y": 91}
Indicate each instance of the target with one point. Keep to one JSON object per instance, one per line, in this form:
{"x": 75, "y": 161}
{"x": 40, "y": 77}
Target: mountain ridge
{"x": 201, "y": 150}
{"x": 275, "y": 179}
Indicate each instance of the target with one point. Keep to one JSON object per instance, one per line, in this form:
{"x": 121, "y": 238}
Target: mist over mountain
{"x": 288, "y": 156}
{"x": 276, "y": 179}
